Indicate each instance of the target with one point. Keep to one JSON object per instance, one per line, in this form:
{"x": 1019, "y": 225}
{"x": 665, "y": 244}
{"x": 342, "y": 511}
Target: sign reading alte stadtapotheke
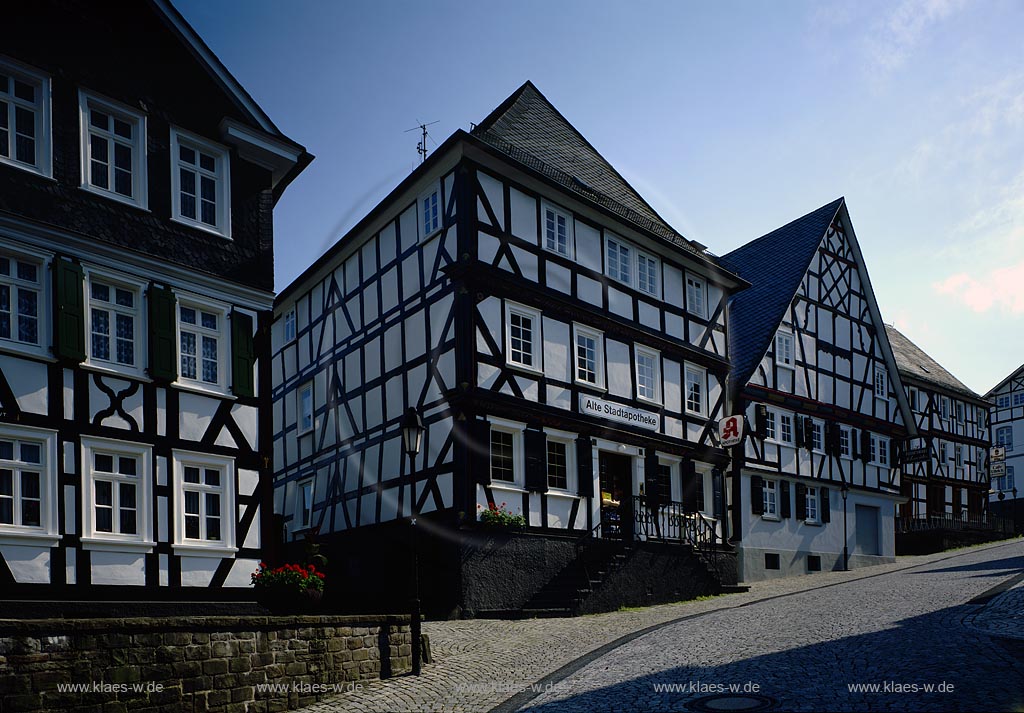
{"x": 618, "y": 412}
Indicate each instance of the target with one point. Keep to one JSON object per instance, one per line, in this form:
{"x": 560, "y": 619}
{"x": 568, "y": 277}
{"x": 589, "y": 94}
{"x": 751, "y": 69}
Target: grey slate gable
{"x": 529, "y": 129}
{"x": 914, "y": 363}
{"x": 774, "y": 264}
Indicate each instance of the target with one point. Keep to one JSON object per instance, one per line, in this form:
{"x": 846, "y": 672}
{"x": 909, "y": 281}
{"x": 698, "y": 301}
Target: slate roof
{"x": 527, "y": 128}
{"x": 775, "y": 265}
{"x": 915, "y": 364}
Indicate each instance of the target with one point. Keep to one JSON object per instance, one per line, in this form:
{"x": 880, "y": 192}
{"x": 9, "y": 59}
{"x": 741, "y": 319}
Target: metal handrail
{"x": 671, "y": 521}
{"x": 948, "y": 521}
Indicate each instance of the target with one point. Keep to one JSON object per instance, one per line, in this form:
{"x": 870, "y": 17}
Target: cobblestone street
{"x": 799, "y": 640}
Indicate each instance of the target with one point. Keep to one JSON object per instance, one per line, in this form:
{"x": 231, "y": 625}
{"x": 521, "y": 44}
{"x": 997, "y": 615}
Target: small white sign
{"x": 730, "y": 430}
{"x": 997, "y": 470}
{"x": 618, "y": 412}
{"x": 997, "y": 453}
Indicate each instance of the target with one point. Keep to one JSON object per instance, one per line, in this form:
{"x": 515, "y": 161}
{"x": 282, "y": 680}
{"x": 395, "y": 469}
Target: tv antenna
{"x": 421, "y": 147}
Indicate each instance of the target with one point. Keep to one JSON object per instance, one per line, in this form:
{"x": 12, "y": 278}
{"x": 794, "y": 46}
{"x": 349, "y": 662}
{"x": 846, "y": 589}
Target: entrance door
{"x": 616, "y": 479}
{"x": 866, "y": 524}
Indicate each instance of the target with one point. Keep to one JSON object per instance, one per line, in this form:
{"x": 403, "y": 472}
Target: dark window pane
{"x": 5, "y": 326}
{"x": 7, "y": 511}
{"x": 25, "y": 91}
{"x": 98, "y": 174}
{"x": 28, "y": 272}
{"x": 187, "y": 155}
{"x": 104, "y": 493}
{"x": 100, "y": 292}
{"x": 207, "y": 162}
{"x": 192, "y": 527}
{"x": 25, "y": 122}
{"x": 191, "y": 474}
{"x": 98, "y": 149}
{"x": 188, "y": 206}
{"x": 29, "y": 452}
{"x": 213, "y": 528}
{"x": 30, "y": 513}
{"x": 209, "y": 188}
{"x": 209, "y": 320}
{"x": 25, "y": 149}
{"x": 212, "y": 505}
{"x": 30, "y": 485}
{"x": 125, "y": 298}
{"x": 104, "y": 519}
{"x": 209, "y": 213}
{"x": 212, "y": 477}
{"x": 128, "y": 526}
{"x": 122, "y": 157}
{"x": 5, "y": 266}
{"x": 99, "y": 119}
{"x": 126, "y": 495}
{"x": 6, "y": 482}
{"x": 104, "y": 463}
{"x": 122, "y": 182}
{"x": 5, "y": 84}
{"x": 122, "y": 128}
{"x": 188, "y": 315}
{"x": 127, "y": 466}
{"x": 7, "y": 450}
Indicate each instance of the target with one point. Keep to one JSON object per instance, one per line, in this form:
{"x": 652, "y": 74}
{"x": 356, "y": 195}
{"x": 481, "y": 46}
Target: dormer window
{"x": 784, "y": 349}
{"x": 430, "y": 212}
{"x": 113, "y": 150}
{"x": 24, "y": 118}
{"x": 200, "y": 183}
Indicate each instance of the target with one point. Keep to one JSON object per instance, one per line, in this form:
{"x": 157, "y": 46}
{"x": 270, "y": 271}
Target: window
{"x": 959, "y": 412}
{"x": 695, "y": 302}
{"x": 879, "y": 450}
{"x": 503, "y": 461}
{"x": 784, "y": 349}
{"x": 200, "y": 183}
{"x": 1004, "y": 437}
{"x": 620, "y": 265}
{"x": 958, "y": 451}
{"x": 201, "y": 344}
{"x": 305, "y": 408}
{"x": 696, "y": 380}
{"x": 812, "y": 505}
{"x": 817, "y": 436}
{"x": 20, "y": 299}
{"x": 115, "y": 500}
{"x": 912, "y": 392}
{"x": 648, "y": 375}
{"x": 945, "y": 407}
{"x": 289, "y": 326}
{"x": 304, "y": 511}
{"x": 523, "y": 336}
{"x": 770, "y": 501}
{"x": 113, "y": 150}
{"x": 982, "y": 415}
{"x": 24, "y": 118}
{"x": 558, "y": 466}
{"x": 28, "y": 505}
{"x": 881, "y": 383}
{"x": 772, "y": 560}
{"x": 943, "y": 454}
{"x": 114, "y": 310}
{"x": 205, "y": 503}
{"x": 845, "y": 441}
{"x": 769, "y": 425}
{"x": 1008, "y": 481}
{"x": 430, "y": 212}
{"x": 589, "y": 356}
{"x": 786, "y": 422}
{"x": 557, "y": 231}
{"x": 1018, "y": 399}
{"x": 647, "y": 274}
{"x": 1003, "y": 401}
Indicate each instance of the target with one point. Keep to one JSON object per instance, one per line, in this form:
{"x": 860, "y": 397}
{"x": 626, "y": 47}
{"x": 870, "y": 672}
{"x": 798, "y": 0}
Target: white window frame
{"x": 138, "y": 289}
{"x": 43, "y": 126}
{"x": 536, "y": 340}
{"x": 579, "y": 330}
{"x": 880, "y": 451}
{"x": 301, "y": 521}
{"x": 47, "y": 533}
{"x": 290, "y": 326}
{"x": 881, "y": 383}
{"x": 222, "y": 311}
{"x": 770, "y": 498}
{"x": 702, "y": 378}
{"x": 700, "y": 287}
{"x": 1003, "y": 401}
{"x": 92, "y": 539}
{"x": 771, "y": 426}
{"x": 944, "y": 406}
{"x": 960, "y": 412}
{"x": 817, "y": 436}
{"x": 848, "y": 433}
{"x": 958, "y": 455}
{"x": 426, "y": 232}
{"x": 785, "y": 343}
{"x": 41, "y": 261}
{"x": 569, "y": 441}
{"x": 300, "y": 428}
{"x": 943, "y": 453}
{"x": 229, "y": 505}
{"x": 140, "y": 183}
{"x": 812, "y": 503}
{"x": 623, "y": 248}
{"x": 1018, "y": 399}
{"x": 652, "y": 290}
{"x": 912, "y": 396}
{"x": 998, "y": 440}
{"x": 783, "y": 419}
{"x": 518, "y": 469}
{"x": 221, "y": 174}
{"x": 655, "y": 357}
{"x": 570, "y": 249}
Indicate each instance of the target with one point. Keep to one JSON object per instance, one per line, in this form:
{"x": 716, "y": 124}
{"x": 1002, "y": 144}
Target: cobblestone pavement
{"x": 812, "y": 650}
{"x": 481, "y": 664}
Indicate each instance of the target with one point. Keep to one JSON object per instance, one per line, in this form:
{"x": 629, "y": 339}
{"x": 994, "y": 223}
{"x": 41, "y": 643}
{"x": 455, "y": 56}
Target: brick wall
{"x": 194, "y": 663}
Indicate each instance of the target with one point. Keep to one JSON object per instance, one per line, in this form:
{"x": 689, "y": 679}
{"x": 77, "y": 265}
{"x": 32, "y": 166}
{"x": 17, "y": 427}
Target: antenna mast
{"x": 421, "y": 147}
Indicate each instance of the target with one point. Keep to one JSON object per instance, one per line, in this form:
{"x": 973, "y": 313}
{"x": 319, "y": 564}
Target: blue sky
{"x": 731, "y": 118}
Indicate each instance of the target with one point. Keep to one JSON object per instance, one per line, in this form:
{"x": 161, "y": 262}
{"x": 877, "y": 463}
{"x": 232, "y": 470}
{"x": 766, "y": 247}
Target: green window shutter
{"x": 69, "y": 307}
{"x": 785, "y": 502}
{"x": 163, "y": 340}
{"x": 243, "y": 355}
{"x": 801, "y": 501}
{"x": 824, "y": 506}
{"x": 535, "y": 445}
{"x": 756, "y": 495}
{"x": 479, "y": 444}
{"x": 584, "y": 467}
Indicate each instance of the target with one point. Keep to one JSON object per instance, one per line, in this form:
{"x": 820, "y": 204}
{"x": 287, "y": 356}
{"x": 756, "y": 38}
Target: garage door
{"x": 866, "y": 520}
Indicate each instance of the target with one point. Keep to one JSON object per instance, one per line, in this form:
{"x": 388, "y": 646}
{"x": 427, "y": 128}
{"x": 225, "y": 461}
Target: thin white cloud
{"x": 1001, "y": 289}
{"x": 900, "y": 32}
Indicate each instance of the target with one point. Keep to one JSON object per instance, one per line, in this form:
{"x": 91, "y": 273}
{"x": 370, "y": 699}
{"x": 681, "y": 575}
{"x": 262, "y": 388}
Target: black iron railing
{"x": 671, "y": 522}
{"x": 985, "y": 523}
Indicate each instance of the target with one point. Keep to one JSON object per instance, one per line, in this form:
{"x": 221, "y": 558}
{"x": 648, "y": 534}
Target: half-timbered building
{"x": 564, "y": 346}
{"x": 137, "y": 183}
{"x": 817, "y": 476}
{"x": 1006, "y": 421}
{"x": 945, "y": 468}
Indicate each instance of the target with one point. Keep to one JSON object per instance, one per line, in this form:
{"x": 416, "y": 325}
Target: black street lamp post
{"x": 412, "y": 439}
{"x": 845, "y": 491}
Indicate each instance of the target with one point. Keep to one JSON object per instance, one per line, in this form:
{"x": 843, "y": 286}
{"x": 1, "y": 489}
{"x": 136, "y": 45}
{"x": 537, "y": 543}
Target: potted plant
{"x": 290, "y": 588}
{"x": 498, "y": 516}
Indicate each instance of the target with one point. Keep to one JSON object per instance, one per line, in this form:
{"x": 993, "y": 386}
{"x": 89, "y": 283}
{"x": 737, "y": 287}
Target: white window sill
{"x": 204, "y": 550}
{"x": 111, "y": 195}
{"x": 505, "y": 485}
{"x": 791, "y": 367}
{"x": 591, "y": 387}
{"x": 559, "y": 492}
{"x": 429, "y": 236}
{"x": 555, "y": 252}
{"x": 103, "y": 544}
{"x": 771, "y": 518}
{"x": 204, "y": 390}
{"x": 203, "y": 227}
{"x": 123, "y": 372}
{"x": 645, "y": 400}
{"x": 10, "y": 346}
{"x": 813, "y": 523}
{"x": 28, "y": 538}
{"x": 531, "y": 370}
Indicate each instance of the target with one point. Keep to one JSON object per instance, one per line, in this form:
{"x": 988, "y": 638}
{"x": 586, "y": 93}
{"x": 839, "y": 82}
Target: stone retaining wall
{"x": 194, "y": 663}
